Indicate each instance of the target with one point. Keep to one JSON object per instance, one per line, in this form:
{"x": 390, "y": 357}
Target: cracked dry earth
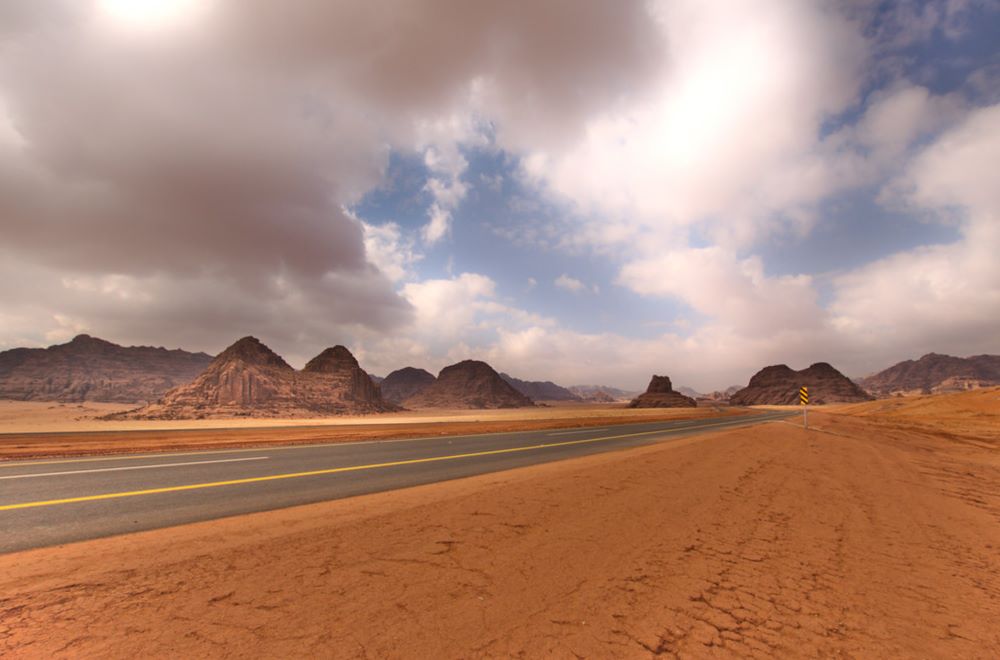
{"x": 853, "y": 541}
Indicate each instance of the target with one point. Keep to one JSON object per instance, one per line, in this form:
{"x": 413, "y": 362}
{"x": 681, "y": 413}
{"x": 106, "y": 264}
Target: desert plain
{"x": 874, "y": 533}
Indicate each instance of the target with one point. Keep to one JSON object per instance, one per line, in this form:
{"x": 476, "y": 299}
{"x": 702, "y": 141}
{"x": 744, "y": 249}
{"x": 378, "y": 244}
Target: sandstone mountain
{"x": 935, "y": 374}
{"x": 248, "y": 379}
{"x": 403, "y": 383}
{"x": 91, "y": 369}
{"x": 540, "y": 390}
{"x": 468, "y": 384}
{"x": 601, "y": 393}
{"x": 336, "y": 372}
{"x": 779, "y": 385}
{"x": 661, "y": 394}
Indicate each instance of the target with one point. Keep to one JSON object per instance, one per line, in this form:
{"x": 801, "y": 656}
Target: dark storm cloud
{"x": 542, "y": 67}
{"x": 155, "y": 179}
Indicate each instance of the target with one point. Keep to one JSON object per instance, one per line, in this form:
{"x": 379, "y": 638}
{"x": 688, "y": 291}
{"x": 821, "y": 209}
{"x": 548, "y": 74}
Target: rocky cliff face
{"x": 91, "y": 369}
{"x": 335, "y": 381}
{"x": 661, "y": 394}
{"x": 935, "y": 374}
{"x": 779, "y": 385}
{"x": 249, "y": 380}
{"x": 404, "y": 383}
{"x": 468, "y": 384}
{"x": 540, "y": 390}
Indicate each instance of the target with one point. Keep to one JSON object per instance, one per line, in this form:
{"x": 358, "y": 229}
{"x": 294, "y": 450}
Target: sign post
{"x": 804, "y": 402}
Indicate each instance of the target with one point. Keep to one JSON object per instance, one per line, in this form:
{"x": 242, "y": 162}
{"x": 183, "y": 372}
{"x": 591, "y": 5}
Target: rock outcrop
{"x": 779, "y": 385}
{"x": 468, "y": 384}
{"x": 935, "y": 374}
{"x": 248, "y": 379}
{"x": 403, "y": 383}
{"x": 537, "y": 390}
{"x": 92, "y": 369}
{"x": 661, "y": 394}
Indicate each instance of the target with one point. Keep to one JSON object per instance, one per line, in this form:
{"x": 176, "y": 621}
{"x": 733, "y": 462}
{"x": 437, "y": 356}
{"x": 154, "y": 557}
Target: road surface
{"x": 59, "y": 501}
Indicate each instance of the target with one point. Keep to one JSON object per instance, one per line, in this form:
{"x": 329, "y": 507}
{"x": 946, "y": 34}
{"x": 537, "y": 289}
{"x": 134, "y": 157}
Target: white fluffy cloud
{"x": 727, "y": 137}
{"x": 573, "y": 285}
{"x": 945, "y": 293}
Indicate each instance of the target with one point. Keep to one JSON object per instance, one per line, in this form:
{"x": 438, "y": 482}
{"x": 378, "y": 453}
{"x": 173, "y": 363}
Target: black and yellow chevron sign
{"x": 804, "y": 396}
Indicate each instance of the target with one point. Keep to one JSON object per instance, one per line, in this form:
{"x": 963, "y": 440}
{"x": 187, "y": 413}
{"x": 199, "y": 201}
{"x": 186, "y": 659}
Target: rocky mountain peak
{"x": 660, "y": 384}
{"x": 331, "y": 360}
{"x": 250, "y": 350}
{"x": 779, "y": 385}
{"x": 468, "y": 384}
{"x": 403, "y": 383}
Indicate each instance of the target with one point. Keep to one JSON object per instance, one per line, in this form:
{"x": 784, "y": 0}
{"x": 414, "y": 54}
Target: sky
{"x": 572, "y": 190}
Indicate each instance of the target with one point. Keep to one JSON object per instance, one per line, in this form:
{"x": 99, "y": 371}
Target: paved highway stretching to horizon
{"x": 55, "y": 501}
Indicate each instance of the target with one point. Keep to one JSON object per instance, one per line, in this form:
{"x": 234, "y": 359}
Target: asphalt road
{"x": 59, "y": 501}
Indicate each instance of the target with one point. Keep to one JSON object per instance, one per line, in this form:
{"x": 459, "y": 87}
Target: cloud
{"x": 388, "y": 249}
{"x": 219, "y": 151}
{"x": 727, "y": 137}
{"x": 728, "y": 290}
{"x": 570, "y": 284}
{"x": 942, "y": 295}
{"x": 184, "y": 181}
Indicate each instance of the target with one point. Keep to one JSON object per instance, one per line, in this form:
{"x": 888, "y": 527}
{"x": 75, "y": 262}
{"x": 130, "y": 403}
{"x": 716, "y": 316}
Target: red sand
{"x": 851, "y": 540}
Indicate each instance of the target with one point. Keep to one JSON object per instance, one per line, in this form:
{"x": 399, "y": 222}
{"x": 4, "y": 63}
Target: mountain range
{"x": 91, "y": 369}
{"x": 935, "y": 374}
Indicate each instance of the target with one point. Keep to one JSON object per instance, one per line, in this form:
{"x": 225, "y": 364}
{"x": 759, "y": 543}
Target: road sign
{"x": 804, "y": 402}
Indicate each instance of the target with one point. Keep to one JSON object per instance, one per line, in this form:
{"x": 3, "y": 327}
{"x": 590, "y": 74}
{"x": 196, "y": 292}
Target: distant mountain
{"x": 721, "y": 396}
{"x": 600, "y": 393}
{"x": 468, "y": 384}
{"x": 92, "y": 369}
{"x": 661, "y": 394}
{"x": 403, "y": 383}
{"x": 540, "y": 390}
{"x": 935, "y": 373}
{"x": 689, "y": 392}
{"x": 779, "y": 385}
{"x": 248, "y": 379}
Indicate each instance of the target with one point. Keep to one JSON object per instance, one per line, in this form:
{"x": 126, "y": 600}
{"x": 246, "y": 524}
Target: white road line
{"x": 317, "y": 445}
{"x": 577, "y": 431}
{"x": 132, "y": 467}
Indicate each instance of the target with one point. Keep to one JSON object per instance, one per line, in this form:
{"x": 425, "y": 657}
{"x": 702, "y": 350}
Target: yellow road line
{"x": 350, "y": 468}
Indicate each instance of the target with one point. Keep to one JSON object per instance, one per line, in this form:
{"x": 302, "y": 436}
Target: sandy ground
{"x": 95, "y": 437}
{"x": 854, "y": 539}
{"x": 53, "y": 417}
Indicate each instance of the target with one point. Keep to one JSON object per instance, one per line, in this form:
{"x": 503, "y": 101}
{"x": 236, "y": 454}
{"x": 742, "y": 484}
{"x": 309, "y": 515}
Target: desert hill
{"x": 468, "y": 384}
{"x": 403, "y": 383}
{"x": 92, "y": 369}
{"x": 935, "y": 374}
{"x": 661, "y": 394}
{"x": 540, "y": 390}
{"x": 779, "y": 385}
{"x": 248, "y": 379}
